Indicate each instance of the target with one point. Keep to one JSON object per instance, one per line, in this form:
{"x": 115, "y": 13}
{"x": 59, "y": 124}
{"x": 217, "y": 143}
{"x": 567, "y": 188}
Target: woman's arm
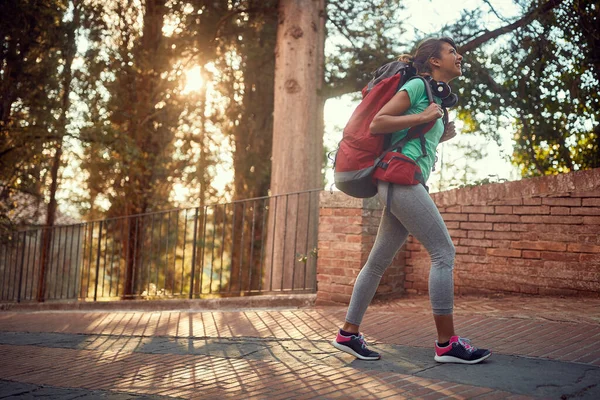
{"x": 391, "y": 119}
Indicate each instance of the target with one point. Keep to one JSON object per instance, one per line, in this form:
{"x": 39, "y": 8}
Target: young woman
{"x": 413, "y": 211}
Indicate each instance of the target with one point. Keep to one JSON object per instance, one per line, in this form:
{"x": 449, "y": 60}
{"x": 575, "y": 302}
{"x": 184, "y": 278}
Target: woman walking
{"x": 411, "y": 209}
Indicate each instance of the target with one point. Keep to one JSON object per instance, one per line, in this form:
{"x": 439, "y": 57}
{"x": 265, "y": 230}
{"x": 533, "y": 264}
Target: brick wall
{"x": 347, "y": 229}
{"x": 535, "y": 236}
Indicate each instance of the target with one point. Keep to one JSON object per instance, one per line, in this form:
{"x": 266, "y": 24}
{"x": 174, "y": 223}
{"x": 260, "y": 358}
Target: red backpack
{"x": 363, "y": 158}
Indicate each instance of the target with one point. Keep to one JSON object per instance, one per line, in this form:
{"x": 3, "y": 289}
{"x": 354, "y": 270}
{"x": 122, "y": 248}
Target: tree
{"x": 542, "y": 79}
{"x": 30, "y": 56}
{"x": 297, "y": 125}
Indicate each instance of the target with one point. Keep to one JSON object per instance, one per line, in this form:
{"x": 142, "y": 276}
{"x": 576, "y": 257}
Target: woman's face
{"x": 450, "y": 62}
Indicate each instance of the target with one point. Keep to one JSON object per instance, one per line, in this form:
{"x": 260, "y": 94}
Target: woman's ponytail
{"x": 406, "y": 58}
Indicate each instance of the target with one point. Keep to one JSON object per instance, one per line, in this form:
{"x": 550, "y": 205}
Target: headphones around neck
{"x": 443, "y": 91}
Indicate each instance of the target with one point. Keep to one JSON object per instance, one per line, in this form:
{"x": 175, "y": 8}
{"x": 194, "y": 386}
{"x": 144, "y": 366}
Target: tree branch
{"x": 527, "y": 18}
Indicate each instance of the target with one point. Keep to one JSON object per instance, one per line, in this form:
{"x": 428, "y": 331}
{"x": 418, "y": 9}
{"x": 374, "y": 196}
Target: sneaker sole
{"x": 348, "y": 350}
{"x": 450, "y": 359}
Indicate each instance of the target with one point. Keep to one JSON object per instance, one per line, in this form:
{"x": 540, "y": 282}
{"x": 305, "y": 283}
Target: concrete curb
{"x": 224, "y": 303}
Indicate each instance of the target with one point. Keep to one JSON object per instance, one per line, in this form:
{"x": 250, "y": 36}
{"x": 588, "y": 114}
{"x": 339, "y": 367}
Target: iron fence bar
{"x": 283, "y": 266}
{"x": 175, "y": 254}
{"x": 91, "y": 245}
{"x": 212, "y": 262}
{"x": 50, "y": 255}
{"x": 13, "y": 268}
{"x": 203, "y": 251}
{"x": 158, "y": 255}
{"x": 222, "y": 247}
{"x": 142, "y": 238}
{"x": 27, "y": 264}
{"x": 22, "y": 266}
{"x": 70, "y": 260}
{"x": 5, "y": 268}
{"x": 66, "y": 229}
{"x": 262, "y": 245}
{"x": 252, "y": 245}
{"x": 240, "y": 283}
{"x": 307, "y": 237}
{"x": 167, "y": 250}
{"x": 135, "y": 253}
{"x": 112, "y": 260}
{"x": 121, "y": 240}
{"x": 191, "y": 295}
{"x": 76, "y": 281}
{"x": 104, "y": 252}
{"x": 273, "y": 243}
{"x": 127, "y": 252}
{"x": 232, "y": 247}
{"x": 150, "y": 252}
{"x": 296, "y": 240}
{"x": 98, "y": 260}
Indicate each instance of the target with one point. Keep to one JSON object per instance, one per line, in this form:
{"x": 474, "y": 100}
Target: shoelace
{"x": 466, "y": 343}
{"x": 361, "y": 339}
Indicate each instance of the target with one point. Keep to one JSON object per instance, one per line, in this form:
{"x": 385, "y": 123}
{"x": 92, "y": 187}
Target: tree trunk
{"x": 297, "y": 140}
{"x": 69, "y": 51}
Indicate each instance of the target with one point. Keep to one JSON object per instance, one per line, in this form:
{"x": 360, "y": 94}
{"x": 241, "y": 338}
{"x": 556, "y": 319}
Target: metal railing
{"x": 261, "y": 245}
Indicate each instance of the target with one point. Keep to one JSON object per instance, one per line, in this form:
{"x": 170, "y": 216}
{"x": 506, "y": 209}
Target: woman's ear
{"x": 434, "y": 61}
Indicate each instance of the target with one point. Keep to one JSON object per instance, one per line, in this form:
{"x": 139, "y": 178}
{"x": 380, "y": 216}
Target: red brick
{"x": 475, "y": 234}
{"x": 531, "y": 254}
{"x": 503, "y": 235}
{"x": 594, "y": 202}
{"x": 552, "y": 246}
{"x": 531, "y": 210}
{"x": 555, "y": 256}
{"x": 455, "y": 217}
{"x": 502, "y": 227}
{"x": 457, "y": 233}
{"x": 476, "y": 217}
{"x": 532, "y": 201}
{"x": 478, "y": 251}
{"x": 504, "y": 252}
{"x": 535, "y": 219}
{"x": 583, "y": 248}
{"x": 503, "y": 210}
{"x": 564, "y": 201}
{"x": 475, "y": 243}
{"x": 503, "y": 218}
{"x": 478, "y": 226}
{"x": 347, "y": 212}
{"x": 591, "y": 220}
{"x": 585, "y": 211}
{"x": 560, "y": 211}
{"x": 478, "y": 209}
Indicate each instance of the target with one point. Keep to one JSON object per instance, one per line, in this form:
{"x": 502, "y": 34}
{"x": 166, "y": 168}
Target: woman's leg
{"x": 417, "y": 212}
{"x": 390, "y": 237}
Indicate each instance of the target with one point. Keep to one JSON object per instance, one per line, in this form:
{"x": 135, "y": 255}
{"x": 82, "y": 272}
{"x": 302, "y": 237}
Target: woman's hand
{"x": 432, "y": 112}
{"x": 449, "y": 132}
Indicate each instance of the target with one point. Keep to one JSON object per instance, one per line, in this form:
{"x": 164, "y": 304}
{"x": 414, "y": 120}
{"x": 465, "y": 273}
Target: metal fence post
{"x": 194, "y": 255}
{"x": 98, "y": 260}
{"x": 22, "y": 266}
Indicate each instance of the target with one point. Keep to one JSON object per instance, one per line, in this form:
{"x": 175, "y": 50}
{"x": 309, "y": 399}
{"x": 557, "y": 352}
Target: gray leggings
{"x": 412, "y": 210}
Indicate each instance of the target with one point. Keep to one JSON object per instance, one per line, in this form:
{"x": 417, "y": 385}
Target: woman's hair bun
{"x": 407, "y": 58}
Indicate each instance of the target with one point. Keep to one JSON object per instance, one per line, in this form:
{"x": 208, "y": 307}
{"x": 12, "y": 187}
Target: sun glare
{"x": 193, "y": 80}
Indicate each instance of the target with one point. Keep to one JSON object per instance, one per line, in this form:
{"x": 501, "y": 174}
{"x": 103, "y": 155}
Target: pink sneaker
{"x": 460, "y": 351}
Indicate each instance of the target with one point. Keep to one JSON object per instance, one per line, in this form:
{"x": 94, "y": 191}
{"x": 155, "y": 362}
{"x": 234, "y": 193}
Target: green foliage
{"x": 32, "y": 56}
{"x": 362, "y": 36}
{"x": 542, "y": 82}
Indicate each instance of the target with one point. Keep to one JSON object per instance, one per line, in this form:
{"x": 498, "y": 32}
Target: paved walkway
{"x": 543, "y": 347}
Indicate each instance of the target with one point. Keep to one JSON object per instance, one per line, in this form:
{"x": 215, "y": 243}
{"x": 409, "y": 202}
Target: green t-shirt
{"x": 412, "y": 149}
